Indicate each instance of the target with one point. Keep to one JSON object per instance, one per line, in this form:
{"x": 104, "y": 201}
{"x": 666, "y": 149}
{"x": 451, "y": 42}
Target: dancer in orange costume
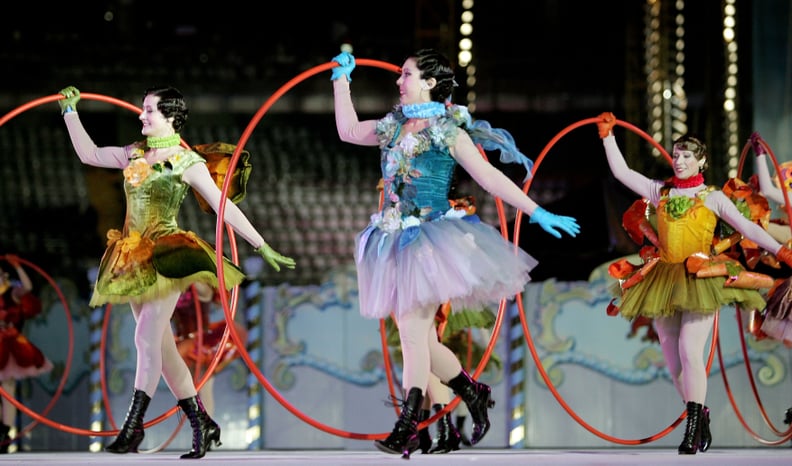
{"x": 776, "y": 320}
{"x": 668, "y": 287}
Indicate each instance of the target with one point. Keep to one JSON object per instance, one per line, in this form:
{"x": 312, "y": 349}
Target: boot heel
{"x": 403, "y": 439}
{"x": 424, "y": 438}
{"x": 205, "y": 430}
{"x": 706, "y": 433}
{"x": 478, "y": 398}
{"x": 131, "y": 434}
{"x": 129, "y": 446}
{"x": 691, "y": 440}
{"x": 448, "y": 436}
{"x": 410, "y": 447}
{"x": 214, "y": 437}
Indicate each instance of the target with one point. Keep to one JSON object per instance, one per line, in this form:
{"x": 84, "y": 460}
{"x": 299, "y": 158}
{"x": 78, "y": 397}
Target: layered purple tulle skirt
{"x": 468, "y": 263}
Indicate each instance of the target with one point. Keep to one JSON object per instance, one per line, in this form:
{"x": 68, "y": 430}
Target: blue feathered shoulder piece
{"x": 499, "y": 139}
{"x": 494, "y": 139}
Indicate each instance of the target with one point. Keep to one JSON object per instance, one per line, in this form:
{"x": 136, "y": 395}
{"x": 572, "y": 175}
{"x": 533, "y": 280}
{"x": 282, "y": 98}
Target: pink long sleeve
{"x": 350, "y": 129}
{"x": 637, "y": 182}
{"x": 88, "y": 152}
{"x": 725, "y": 209}
{"x": 766, "y": 186}
{"x": 199, "y": 178}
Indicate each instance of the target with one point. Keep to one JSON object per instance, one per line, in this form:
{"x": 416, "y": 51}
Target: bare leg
{"x": 437, "y": 392}
{"x": 175, "y": 371}
{"x": 692, "y": 339}
{"x": 207, "y": 396}
{"x": 444, "y": 362}
{"x": 9, "y": 410}
{"x": 668, "y": 329}
{"x": 414, "y": 331}
{"x": 153, "y": 320}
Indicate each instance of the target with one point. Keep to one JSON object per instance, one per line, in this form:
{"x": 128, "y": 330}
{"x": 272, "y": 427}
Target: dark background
{"x": 541, "y": 66}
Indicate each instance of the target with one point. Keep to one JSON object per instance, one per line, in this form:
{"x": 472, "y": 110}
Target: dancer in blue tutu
{"x": 418, "y": 252}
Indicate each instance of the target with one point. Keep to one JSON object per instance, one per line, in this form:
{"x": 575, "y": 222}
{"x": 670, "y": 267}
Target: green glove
{"x": 71, "y": 95}
{"x": 274, "y": 258}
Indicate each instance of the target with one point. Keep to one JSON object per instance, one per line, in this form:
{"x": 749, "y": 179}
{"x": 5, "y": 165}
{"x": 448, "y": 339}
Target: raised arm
{"x": 766, "y": 186}
{"x": 199, "y": 178}
{"x": 350, "y": 128}
{"x": 24, "y": 279}
{"x": 87, "y": 151}
{"x": 630, "y": 178}
{"x": 498, "y": 184}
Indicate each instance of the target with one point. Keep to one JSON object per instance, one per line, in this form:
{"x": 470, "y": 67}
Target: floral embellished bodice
{"x": 154, "y": 194}
{"x": 417, "y": 168}
{"x": 685, "y": 226}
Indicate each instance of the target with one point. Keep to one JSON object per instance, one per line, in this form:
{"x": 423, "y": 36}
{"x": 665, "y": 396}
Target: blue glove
{"x": 549, "y": 222}
{"x": 346, "y": 63}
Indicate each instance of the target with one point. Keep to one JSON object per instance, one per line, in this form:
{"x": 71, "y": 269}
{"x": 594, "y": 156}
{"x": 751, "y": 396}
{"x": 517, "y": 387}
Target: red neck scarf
{"x": 691, "y": 182}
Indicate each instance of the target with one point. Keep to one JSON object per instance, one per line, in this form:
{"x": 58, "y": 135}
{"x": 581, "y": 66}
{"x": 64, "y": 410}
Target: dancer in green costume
{"x": 151, "y": 261}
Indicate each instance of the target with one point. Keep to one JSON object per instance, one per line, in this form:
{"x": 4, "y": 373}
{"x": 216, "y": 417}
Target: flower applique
{"x": 391, "y": 219}
{"x": 132, "y": 250}
{"x": 137, "y": 171}
{"x": 386, "y": 129}
{"x": 676, "y": 206}
{"x": 460, "y": 114}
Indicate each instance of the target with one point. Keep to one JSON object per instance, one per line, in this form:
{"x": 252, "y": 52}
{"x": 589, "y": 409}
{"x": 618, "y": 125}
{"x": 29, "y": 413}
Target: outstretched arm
{"x": 498, "y": 184}
{"x": 199, "y": 178}
{"x": 725, "y": 209}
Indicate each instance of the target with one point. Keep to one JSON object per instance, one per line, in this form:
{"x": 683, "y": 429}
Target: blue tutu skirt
{"x": 468, "y": 263}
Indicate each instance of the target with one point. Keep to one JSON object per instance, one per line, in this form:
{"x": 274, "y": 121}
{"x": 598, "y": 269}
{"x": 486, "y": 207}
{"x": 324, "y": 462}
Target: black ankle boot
{"x": 706, "y": 434}
{"x": 460, "y": 425}
{"x": 788, "y": 416}
{"x": 404, "y": 438}
{"x": 424, "y": 438}
{"x": 692, "y": 439}
{"x": 448, "y": 437}
{"x": 477, "y": 397}
{"x": 131, "y": 434}
{"x": 205, "y": 430}
{"x": 5, "y": 440}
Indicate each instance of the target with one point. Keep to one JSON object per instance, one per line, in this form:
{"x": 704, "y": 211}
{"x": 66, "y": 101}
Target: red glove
{"x": 756, "y": 143}
{"x": 605, "y": 125}
{"x": 784, "y": 254}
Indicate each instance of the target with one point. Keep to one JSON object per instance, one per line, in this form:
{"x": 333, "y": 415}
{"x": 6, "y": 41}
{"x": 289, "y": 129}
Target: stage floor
{"x": 592, "y": 457}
